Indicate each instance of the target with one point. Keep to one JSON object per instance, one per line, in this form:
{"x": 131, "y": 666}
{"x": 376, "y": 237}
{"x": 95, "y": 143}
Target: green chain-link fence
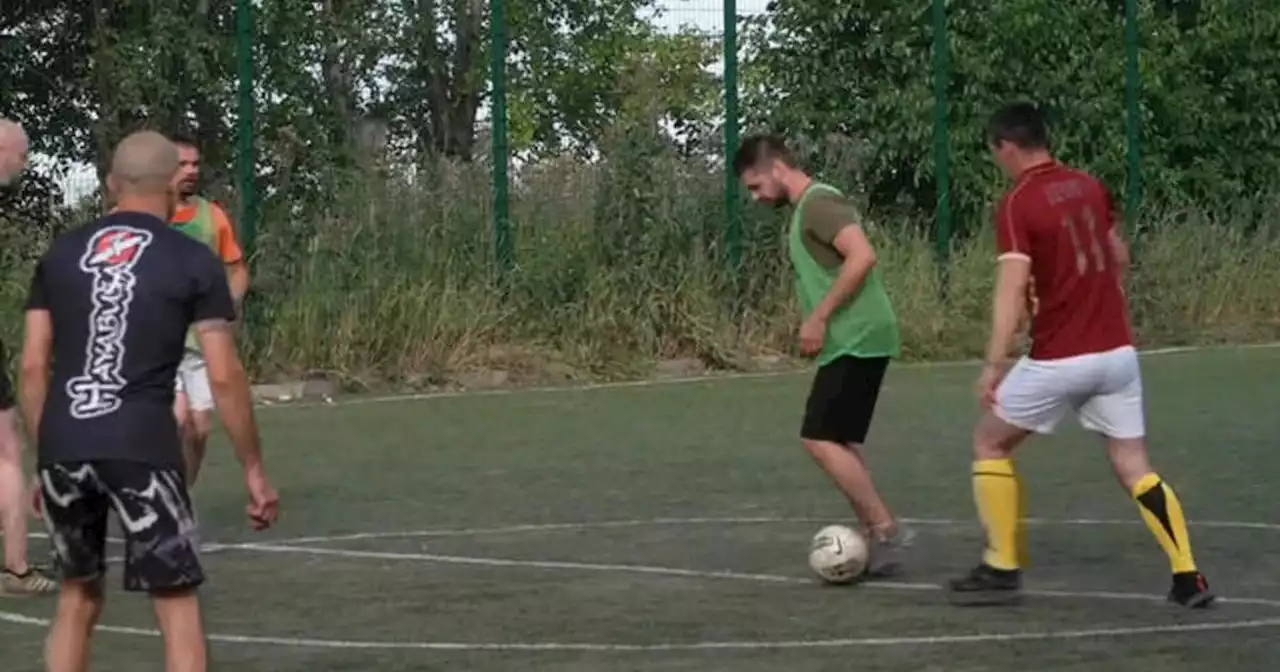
{"x": 388, "y": 161}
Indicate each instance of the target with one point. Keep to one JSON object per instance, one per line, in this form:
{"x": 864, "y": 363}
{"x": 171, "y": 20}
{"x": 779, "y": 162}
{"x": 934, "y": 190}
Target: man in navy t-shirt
{"x": 108, "y": 311}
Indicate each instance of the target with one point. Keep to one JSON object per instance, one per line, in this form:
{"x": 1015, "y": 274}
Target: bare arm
{"x": 230, "y": 386}
{"x": 1008, "y": 305}
{"x": 233, "y": 259}
{"x": 37, "y": 355}
{"x": 859, "y": 259}
{"x": 1120, "y": 252}
{"x": 238, "y": 281}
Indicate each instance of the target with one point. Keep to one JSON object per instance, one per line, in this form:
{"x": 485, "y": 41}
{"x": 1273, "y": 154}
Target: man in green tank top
{"x": 849, "y": 328}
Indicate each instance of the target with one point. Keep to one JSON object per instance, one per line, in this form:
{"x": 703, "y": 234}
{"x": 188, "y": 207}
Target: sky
{"x": 704, "y": 15}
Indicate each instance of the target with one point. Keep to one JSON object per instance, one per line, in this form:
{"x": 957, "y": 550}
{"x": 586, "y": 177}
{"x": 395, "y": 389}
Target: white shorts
{"x": 1104, "y": 389}
{"x": 193, "y": 379}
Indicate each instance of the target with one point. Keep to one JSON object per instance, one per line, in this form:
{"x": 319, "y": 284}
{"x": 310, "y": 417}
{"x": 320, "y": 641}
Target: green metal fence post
{"x": 1133, "y": 121}
{"x": 732, "y": 200}
{"x": 501, "y": 147}
{"x": 941, "y": 132}
{"x": 245, "y": 157}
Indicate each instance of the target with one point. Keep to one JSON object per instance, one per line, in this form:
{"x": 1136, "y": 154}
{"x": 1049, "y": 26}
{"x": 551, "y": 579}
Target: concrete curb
{"x": 271, "y": 393}
{"x": 663, "y": 372}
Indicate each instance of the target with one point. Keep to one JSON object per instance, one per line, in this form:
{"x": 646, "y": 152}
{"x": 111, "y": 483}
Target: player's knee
{"x": 821, "y": 450}
{"x": 10, "y": 455}
{"x": 81, "y": 599}
{"x": 10, "y": 446}
{"x": 201, "y": 426}
{"x": 989, "y": 445}
{"x": 12, "y": 484}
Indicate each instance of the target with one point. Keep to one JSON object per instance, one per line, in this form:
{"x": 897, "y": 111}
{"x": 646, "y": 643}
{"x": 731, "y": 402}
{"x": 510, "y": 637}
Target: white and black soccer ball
{"x": 838, "y": 554}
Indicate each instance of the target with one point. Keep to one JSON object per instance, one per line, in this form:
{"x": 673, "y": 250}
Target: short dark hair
{"x": 1022, "y": 123}
{"x": 184, "y": 138}
{"x": 756, "y": 149}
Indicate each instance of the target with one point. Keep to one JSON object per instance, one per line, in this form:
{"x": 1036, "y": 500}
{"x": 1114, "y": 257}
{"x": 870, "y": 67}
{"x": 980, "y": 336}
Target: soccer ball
{"x": 838, "y": 554}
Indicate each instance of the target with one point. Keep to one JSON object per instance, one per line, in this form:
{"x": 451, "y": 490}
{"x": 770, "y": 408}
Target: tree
{"x": 862, "y": 68}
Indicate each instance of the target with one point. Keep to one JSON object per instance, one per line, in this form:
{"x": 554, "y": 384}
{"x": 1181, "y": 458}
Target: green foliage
{"x": 375, "y": 262}
{"x": 619, "y": 265}
{"x": 86, "y": 72}
{"x": 1210, "y": 108}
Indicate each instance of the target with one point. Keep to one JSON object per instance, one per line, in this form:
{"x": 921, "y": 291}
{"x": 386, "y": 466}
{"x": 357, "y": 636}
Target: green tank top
{"x": 201, "y": 227}
{"x": 866, "y": 325}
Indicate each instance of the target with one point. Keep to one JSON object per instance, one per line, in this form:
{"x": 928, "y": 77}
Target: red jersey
{"x": 1061, "y": 220}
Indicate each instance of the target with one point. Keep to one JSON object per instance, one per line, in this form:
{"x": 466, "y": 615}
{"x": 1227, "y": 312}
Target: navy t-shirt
{"x": 122, "y": 293}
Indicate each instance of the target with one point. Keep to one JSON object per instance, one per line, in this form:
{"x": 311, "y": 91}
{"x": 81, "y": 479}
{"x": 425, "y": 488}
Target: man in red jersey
{"x": 1056, "y": 232}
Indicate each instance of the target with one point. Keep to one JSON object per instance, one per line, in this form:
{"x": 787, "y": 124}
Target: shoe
{"x": 888, "y": 553}
{"x": 1191, "y": 590}
{"x": 985, "y": 585}
{"x": 33, "y": 582}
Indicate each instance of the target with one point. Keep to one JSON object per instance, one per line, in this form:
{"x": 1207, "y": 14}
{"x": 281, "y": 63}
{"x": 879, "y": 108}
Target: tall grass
{"x": 622, "y": 265}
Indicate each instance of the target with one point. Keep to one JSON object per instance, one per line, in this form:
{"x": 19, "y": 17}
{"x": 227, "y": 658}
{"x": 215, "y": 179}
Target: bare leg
{"x": 998, "y": 491}
{"x": 995, "y": 439}
{"x": 196, "y": 440}
{"x": 1162, "y": 512}
{"x": 13, "y": 502}
{"x": 182, "y": 414}
{"x": 79, "y": 606}
{"x": 178, "y": 614}
{"x": 847, "y": 468}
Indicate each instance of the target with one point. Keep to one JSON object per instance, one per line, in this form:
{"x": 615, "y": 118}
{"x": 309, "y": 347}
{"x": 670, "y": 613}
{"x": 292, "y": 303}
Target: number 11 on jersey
{"x": 1083, "y": 237}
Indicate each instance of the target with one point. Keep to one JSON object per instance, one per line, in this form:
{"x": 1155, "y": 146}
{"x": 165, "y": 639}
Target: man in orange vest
{"x": 207, "y": 222}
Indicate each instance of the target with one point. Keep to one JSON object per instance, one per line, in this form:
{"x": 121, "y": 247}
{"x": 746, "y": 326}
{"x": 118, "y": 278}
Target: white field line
{"x": 42, "y": 535}
{"x": 653, "y": 522}
{"x": 684, "y": 380}
{"x": 21, "y": 619}
{"x": 681, "y": 572}
{"x": 749, "y": 645}
{"x": 656, "y": 522}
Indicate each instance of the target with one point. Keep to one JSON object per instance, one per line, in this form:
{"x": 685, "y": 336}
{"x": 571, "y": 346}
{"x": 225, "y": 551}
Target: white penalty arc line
{"x": 21, "y": 619}
{"x": 685, "y": 380}
{"x": 689, "y": 573}
{"x": 975, "y": 638}
{"x": 657, "y": 522}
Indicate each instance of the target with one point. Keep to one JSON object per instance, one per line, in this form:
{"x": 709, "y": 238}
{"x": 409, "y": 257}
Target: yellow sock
{"x": 1163, "y": 514}
{"x": 998, "y": 493}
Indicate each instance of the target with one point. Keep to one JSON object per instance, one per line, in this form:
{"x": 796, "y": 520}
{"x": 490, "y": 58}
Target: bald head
{"x": 144, "y": 164}
{"x": 142, "y": 171}
{"x": 13, "y": 151}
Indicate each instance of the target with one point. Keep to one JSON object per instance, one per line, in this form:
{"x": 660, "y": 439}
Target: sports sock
{"x": 1163, "y": 514}
{"x": 997, "y": 491}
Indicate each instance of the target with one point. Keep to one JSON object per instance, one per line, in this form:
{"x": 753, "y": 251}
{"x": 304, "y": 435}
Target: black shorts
{"x": 843, "y": 399}
{"x": 6, "y": 386}
{"x": 154, "y": 508}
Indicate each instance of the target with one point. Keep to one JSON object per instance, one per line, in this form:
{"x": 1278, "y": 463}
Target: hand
{"x": 988, "y": 381}
{"x": 264, "y": 501}
{"x": 813, "y": 333}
